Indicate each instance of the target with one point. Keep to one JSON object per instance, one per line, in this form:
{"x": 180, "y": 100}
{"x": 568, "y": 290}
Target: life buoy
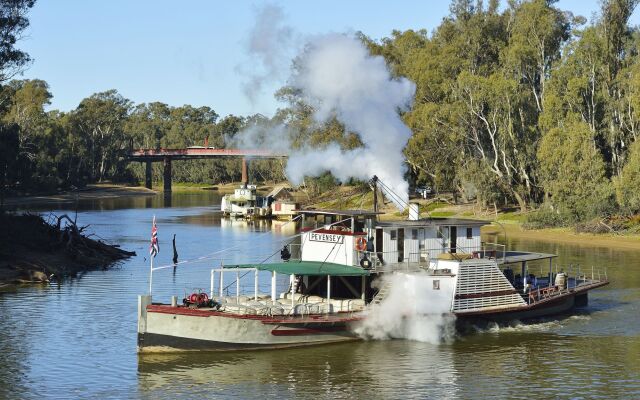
{"x": 361, "y": 244}
{"x": 193, "y": 298}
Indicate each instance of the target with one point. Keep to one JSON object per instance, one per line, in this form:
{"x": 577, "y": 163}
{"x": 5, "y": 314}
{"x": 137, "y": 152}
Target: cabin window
{"x": 394, "y": 234}
{"x": 414, "y": 234}
{"x": 436, "y": 284}
{"x": 469, "y": 233}
{"x": 421, "y": 237}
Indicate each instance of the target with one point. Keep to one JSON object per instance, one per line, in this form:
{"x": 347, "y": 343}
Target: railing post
{"x": 255, "y": 285}
{"x": 237, "y": 286}
{"x": 212, "y": 279}
{"x": 221, "y": 283}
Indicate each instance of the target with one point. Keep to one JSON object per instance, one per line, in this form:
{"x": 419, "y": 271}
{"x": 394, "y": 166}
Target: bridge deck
{"x": 195, "y": 153}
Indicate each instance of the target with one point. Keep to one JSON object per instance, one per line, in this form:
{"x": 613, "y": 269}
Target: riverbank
{"x": 90, "y": 192}
{"x": 34, "y": 250}
{"x": 566, "y": 236}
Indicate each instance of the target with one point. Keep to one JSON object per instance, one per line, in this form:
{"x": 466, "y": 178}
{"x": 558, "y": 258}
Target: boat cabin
{"x": 346, "y": 236}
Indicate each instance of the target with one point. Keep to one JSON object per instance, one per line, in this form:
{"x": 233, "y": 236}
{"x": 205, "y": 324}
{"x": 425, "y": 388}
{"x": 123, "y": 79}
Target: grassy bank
{"x": 567, "y": 235}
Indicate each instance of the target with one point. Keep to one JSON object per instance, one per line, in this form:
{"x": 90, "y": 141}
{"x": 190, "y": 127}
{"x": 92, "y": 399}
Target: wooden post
{"x": 167, "y": 174}
{"x": 148, "y": 175}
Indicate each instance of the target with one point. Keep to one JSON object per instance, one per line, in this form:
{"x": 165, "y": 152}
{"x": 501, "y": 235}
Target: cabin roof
{"x": 434, "y": 222}
{"x": 298, "y": 267}
{"x": 511, "y": 257}
{"x": 280, "y": 190}
{"x": 350, "y": 213}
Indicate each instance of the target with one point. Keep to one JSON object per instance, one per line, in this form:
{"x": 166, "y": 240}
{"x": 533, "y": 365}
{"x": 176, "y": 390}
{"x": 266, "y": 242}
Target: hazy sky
{"x": 189, "y": 52}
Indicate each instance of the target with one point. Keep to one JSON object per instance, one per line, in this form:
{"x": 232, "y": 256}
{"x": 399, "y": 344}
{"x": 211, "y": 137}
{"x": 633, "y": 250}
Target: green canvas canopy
{"x": 297, "y": 267}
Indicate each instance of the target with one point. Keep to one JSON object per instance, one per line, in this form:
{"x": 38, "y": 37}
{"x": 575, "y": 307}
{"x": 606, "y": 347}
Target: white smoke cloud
{"x": 338, "y": 77}
{"x": 411, "y": 310}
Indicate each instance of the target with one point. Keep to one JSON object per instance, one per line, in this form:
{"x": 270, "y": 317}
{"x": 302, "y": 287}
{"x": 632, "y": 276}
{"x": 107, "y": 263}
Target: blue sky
{"x": 188, "y": 52}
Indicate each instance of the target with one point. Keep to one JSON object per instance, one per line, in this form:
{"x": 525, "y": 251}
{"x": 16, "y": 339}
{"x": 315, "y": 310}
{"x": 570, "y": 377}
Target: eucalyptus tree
{"x": 574, "y": 172}
{"x": 13, "y": 22}
{"x": 596, "y": 80}
{"x": 628, "y": 182}
{"x": 99, "y": 122}
{"x": 26, "y": 104}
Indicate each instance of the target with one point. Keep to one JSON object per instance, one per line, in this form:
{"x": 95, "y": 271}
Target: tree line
{"x": 525, "y": 104}
{"x": 49, "y": 150}
{"x": 530, "y": 105}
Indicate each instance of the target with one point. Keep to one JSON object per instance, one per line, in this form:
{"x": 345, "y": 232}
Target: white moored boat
{"x": 244, "y": 202}
{"x": 341, "y": 275}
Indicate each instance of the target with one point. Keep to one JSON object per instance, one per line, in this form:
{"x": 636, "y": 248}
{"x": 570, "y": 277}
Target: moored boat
{"x": 244, "y": 202}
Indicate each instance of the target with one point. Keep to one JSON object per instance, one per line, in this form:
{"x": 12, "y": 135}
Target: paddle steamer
{"x": 336, "y": 269}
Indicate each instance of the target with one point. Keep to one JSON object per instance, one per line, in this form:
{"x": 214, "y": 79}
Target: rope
{"x": 266, "y": 259}
{"x": 210, "y": 255}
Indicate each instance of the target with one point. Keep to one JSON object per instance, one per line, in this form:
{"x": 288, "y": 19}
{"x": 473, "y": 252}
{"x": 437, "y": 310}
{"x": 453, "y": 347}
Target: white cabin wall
{"x": 468, "y": 245}
{"x": 411, "y": 245}
{"x": 432, "y": 244}
{"x": 339, "y": 253}
{"x": 390, "y": 247}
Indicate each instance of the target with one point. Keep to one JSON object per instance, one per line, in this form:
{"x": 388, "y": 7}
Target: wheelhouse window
{"x": 394, "y": 234}
{"x": 414, "y": 234}
{"x": 436, "y": 284}
{"x": 469, "y": 233}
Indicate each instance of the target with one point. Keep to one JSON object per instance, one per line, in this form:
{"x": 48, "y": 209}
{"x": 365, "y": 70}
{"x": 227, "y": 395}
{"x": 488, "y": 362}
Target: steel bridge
{"x": 166, "y": 156}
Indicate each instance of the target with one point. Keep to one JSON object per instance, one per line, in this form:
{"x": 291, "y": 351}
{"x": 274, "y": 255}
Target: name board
{"x": 326, "y": 237}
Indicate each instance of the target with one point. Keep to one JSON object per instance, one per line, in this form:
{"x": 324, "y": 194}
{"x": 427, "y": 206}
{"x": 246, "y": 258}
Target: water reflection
{"x": 379, "y": 369}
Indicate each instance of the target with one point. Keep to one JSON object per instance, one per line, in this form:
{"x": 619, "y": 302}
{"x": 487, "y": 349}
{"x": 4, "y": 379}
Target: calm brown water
{"x": 77, "y": 339}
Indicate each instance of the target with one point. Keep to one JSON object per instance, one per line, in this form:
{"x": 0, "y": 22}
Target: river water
{"x": 77, "y": 338}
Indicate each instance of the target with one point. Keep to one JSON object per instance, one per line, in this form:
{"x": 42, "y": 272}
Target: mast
{"x": 374, "y": 186}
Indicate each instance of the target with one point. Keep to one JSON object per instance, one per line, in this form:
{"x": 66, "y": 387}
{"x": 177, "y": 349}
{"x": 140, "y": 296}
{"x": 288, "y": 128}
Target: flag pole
{"x": 150, "y": 275}
{"x": 153, "y": 250}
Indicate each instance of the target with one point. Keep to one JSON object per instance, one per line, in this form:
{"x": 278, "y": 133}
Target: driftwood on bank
{"x": 33, "y": 249}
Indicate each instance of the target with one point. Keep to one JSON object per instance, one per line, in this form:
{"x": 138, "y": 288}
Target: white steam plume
{"x": 338, "y": 77}
{"x": 411, "y": 310}
{"x": 270, "y": 44}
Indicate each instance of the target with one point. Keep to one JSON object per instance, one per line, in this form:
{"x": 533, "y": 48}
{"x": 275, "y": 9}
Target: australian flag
{"x": 155, "y": 247}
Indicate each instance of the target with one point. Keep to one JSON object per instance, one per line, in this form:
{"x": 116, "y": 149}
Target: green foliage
{"x": 321, "y": 184}
{"x": 573, "y": 173}
{"x": 9, "y": 136}
{"x": 628, "y": 183}
{"x": 13, "y": 22}
{"x": 545, "y": 217}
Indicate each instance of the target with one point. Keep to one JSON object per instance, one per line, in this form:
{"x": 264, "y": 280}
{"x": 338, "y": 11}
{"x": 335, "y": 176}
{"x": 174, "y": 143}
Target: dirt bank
{"x": 33, "y": 249}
